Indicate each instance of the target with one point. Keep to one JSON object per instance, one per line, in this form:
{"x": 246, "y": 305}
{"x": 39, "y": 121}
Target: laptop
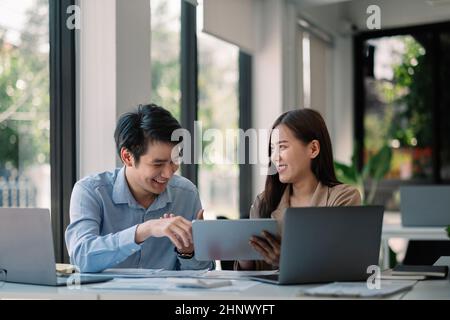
{"x": 425, "y": 206}
{"x": 27, "y": 251}
{"x": 328, "y": 244}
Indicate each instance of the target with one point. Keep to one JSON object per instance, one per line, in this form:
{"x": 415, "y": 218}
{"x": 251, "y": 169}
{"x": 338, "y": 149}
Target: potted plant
{"x": 372, "y": 172}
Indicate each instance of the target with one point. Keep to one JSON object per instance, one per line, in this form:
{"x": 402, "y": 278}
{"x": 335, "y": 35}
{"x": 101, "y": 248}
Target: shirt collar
{"x": 121, "y": 191}
{"x": 122, "y": 194}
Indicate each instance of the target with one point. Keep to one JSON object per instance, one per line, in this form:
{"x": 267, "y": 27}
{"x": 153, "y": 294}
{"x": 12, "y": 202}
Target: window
{"x": 218, "y": 109}
{"x": 402, "y": 101}
{"x": 199, "y": 78}
{"x": 24, "y": 104}
{"x": 37, "y": 109}
{"x": 165, "y": 51}
{"x": 397, "y": 103}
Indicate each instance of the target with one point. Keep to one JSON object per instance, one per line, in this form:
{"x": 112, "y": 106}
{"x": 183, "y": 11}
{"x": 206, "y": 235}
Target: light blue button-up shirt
{"x": 104, "y": 216}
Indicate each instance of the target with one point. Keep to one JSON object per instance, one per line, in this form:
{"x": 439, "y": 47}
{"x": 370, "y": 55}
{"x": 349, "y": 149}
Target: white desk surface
{"x": 431, "y": 289}
{"x": 24, "y": 291}
{"x": 392, "y": 228}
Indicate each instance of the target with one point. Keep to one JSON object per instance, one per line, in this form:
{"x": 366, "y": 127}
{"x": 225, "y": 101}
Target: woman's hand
{"x": 269, "y": 246}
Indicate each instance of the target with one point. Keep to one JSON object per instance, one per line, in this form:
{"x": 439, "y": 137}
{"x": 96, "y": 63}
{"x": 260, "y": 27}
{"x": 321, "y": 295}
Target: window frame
{"x": 62, "y": 121}
{"x": 359, "y": 94}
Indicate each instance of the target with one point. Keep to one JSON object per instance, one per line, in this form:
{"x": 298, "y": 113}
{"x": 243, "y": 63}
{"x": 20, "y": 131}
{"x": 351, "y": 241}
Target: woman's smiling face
{"x": 291, "y": 156}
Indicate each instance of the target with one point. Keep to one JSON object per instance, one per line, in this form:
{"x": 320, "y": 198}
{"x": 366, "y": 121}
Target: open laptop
{"x": 27, "y": 252}
{"x": 327, "y": 244}
{"x": 425, "y": 206}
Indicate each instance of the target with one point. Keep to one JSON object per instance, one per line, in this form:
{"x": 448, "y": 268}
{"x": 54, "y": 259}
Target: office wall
{"x": 96, "y": 76}
{"x": 338, "y": 113}
{"x": 114, "y": 75}
{"x": 399, "y": 13}
{"x": 267, "y": 72}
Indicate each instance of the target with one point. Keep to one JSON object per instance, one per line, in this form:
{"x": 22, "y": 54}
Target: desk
{"x": 392, "y": 228}
{"x": 433, "y": 289}
{"x": 12, "y": 291}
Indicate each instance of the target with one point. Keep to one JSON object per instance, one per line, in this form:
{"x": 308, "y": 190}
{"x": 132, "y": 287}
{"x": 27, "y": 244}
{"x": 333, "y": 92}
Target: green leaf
{"x": 380, "y": 163}
{"x": 345, "y": 173}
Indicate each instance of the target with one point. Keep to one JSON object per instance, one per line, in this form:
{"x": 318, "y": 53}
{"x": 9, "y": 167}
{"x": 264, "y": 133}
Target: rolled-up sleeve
{"x": 87, "y": 249}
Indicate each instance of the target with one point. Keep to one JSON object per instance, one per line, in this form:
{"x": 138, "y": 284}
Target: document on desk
{"x": 359, "y": 289}
{"x": 170, "y": 284}
{"x": 181, "y": 273}
{"x": 151, "y": 273}
{"x": 129, "y": 273}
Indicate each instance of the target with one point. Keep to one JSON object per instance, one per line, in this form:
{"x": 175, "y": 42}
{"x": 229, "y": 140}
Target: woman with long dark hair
{"x": 300, "y": 149}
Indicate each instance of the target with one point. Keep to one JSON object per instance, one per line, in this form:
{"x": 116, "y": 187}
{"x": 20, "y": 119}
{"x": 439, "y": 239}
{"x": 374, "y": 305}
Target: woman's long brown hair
{"x": 307, "y": 125}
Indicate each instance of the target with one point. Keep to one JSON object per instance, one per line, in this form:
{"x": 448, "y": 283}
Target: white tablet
{"x": 229, "y": 239}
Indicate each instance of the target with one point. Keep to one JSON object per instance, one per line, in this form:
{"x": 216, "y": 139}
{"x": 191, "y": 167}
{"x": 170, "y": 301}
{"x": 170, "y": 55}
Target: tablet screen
{"x": 229, "y": 239}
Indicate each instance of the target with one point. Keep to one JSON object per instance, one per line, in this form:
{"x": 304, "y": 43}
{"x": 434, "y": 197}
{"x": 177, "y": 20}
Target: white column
{"x": 267, "y": 72}
{"x": 113, "y": 75}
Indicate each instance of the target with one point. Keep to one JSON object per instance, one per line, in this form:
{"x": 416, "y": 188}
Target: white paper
{"x": 150, "y": 273}
{"x": 129, "y": 273}
{"x": 359, "y": 289}
{"x": 181, "y": 273}
{"x": 165, "y": 284}
{"x": 199, "y": 283}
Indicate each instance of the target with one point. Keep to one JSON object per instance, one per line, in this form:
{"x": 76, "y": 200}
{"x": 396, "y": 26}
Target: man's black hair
{"x": 148, "y": 124}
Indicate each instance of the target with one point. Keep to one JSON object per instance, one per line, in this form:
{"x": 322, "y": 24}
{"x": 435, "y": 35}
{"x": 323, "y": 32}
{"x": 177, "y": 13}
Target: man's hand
{"x": 190, "y": 249}
{"x": 177, "y": 229}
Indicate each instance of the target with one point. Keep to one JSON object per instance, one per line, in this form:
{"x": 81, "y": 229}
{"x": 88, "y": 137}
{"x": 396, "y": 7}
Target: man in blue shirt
{"x": 138, "y": 216}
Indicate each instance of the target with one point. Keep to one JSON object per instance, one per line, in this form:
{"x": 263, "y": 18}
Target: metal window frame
{"x": 245, "y": 123}
{"x": 62, "y": 121}
{"x": 189, "y": 82}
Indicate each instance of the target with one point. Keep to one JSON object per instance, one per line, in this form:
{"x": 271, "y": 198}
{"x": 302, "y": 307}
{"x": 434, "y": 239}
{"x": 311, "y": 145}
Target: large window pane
{"x": 165, "y": 54}
{"x": 24, "y": 104}
{"x": 218, "y": 109}
{"x": 398, "y": 104}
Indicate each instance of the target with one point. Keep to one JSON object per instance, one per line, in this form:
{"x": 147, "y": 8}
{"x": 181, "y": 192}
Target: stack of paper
{"x": 359, "y": 289}
{"x": 151, "y": 273}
